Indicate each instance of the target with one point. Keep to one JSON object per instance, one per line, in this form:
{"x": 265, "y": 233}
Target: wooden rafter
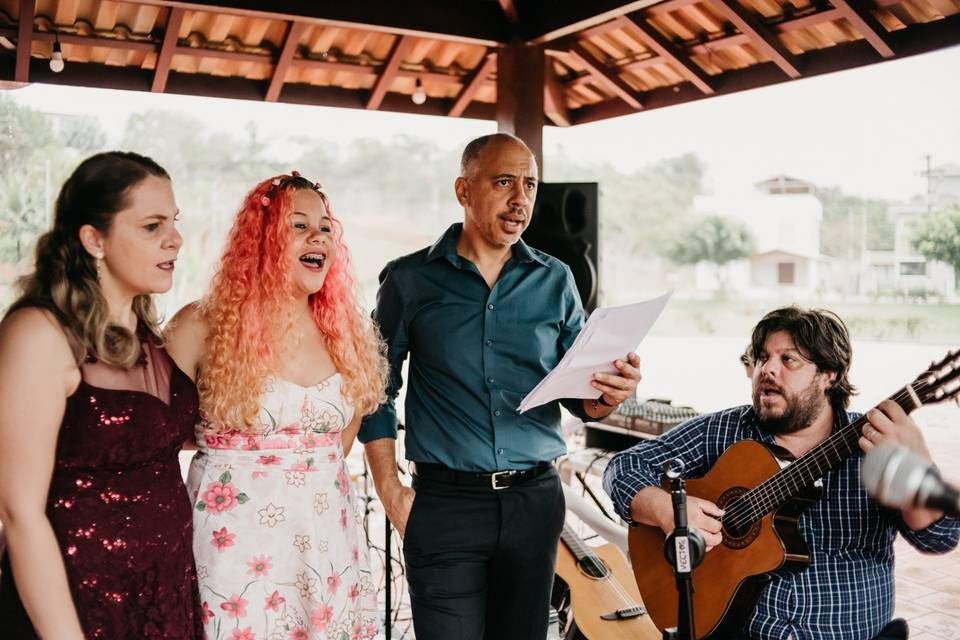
{"x": 170, "y": 37}
{"x": 554, "y": 97}
{"x": 914, "y": 40}
{"x": 28, "y": 10}
{"x": 400, "y": 47}
{"x": 138, "y": 46}
{"x": 604, "y": 77}
{"x": 468, "y": 22}
{"x": 680, "y": 60}
{"x": 868, "y": 26}
{"x": 294, "y": 32}
{"x": 472, "y": 85}
{"x": 761, "y": 36}
{"x": 580, "y": 16}
{"x": 510, "y": 11}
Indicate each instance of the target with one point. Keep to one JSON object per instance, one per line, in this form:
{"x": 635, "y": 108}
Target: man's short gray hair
{"x": 472, "y": 151}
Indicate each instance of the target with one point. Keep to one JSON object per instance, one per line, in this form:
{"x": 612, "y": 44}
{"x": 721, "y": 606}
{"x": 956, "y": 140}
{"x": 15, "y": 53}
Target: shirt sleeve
{"x": 390, "y": 318}
{"x": 940, "y": 537}
{"x": 573, "y": 323}
{"x": 642, "y": 465}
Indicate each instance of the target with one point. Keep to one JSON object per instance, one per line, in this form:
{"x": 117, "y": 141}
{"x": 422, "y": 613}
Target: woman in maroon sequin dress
{"x": 93, "y": 413}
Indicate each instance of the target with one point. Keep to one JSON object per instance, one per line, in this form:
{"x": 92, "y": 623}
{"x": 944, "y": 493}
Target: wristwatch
{"x": 596, "y": 402}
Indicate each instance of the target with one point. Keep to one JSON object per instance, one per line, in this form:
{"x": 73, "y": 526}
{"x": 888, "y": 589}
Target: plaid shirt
{"x": 847, "y": 591}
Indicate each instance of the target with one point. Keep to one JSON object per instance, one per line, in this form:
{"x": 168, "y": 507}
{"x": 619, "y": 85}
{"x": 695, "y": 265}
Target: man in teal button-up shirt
{"x": 484, "y": 318}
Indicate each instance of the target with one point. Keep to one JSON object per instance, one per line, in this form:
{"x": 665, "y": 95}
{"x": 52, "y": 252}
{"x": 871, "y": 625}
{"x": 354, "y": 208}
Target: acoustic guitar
{"x": 605, "y": 601}
{"x": 763, "y": 501}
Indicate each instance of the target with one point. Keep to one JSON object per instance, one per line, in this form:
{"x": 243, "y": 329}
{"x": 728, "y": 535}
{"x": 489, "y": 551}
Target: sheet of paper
{"x": 610, "y": 334}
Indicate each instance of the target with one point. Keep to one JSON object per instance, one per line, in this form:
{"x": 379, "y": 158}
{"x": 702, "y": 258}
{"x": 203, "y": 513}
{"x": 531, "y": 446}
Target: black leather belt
{"x": 496, "y": 480}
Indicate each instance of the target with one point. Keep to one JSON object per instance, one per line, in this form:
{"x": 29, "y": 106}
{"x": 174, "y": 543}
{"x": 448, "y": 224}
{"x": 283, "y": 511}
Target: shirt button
{"x": 490, "y": 306}
{"x": 488, "y": 342}
{"x": 499, "y": 452}
{"x": 497, "y": 413}
{"x": 490, "y": 380}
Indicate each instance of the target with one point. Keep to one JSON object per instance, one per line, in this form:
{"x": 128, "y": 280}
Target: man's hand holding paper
{"x": 601, "y": 363}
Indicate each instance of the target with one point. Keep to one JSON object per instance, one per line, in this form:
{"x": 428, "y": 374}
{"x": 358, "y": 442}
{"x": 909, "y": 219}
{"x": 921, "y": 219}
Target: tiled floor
{"x": 928, "y": 587}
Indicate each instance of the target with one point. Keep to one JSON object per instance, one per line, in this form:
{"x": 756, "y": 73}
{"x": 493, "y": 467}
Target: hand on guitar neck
{"x": 652, "y": 506}
{"x": 890, "y": 424}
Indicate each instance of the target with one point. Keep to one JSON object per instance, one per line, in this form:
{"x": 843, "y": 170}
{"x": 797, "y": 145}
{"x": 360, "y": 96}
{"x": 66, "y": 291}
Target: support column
{"x": 520, "y": 85}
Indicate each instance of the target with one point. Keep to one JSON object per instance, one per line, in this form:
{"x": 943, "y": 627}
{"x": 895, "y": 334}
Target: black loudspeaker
{"x": 564, "y": 224}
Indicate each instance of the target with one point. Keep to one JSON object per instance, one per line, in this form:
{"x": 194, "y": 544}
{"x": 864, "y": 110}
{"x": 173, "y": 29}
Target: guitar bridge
{"x": 624, "y": 614}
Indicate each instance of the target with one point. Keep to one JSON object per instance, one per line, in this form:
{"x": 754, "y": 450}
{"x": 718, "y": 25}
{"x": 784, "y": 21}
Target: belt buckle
{"x": 493, "y": 479}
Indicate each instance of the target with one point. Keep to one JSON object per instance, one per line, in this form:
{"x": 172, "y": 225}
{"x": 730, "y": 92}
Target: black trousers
{"x": 480, "y": 563}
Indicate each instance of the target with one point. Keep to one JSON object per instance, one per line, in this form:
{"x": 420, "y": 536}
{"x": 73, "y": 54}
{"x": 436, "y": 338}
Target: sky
{"x": 866, "y": 130}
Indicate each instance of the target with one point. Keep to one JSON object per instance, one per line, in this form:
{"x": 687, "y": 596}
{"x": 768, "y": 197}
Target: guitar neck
{"x": 826, "y": 456}
{"x": 577, "y": 545}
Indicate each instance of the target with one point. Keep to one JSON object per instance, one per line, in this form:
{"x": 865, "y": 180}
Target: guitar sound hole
{"x": 739, "y": 530}
{"x": 593, "y": 568}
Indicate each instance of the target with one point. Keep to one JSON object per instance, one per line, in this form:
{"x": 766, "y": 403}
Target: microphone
{"x": 898, "y": 478}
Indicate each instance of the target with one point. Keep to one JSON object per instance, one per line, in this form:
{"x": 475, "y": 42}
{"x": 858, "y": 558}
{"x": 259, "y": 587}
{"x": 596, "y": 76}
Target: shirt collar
{"x": 446, "y": 247}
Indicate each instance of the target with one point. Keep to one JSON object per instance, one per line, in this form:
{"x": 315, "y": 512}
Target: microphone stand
{"x": 684, "y": 550}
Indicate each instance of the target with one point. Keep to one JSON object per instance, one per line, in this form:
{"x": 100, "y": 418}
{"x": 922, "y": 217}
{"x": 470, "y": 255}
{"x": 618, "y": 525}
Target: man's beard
{"x": 800, "y": 412}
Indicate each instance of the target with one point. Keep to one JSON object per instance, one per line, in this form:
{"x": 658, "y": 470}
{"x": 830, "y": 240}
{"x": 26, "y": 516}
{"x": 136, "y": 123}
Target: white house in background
{"x": 783, "y": 214}
{"x": 903, "y": 271}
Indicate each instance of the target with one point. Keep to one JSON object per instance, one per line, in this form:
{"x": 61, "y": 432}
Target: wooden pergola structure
{"x": 524, "y": 63}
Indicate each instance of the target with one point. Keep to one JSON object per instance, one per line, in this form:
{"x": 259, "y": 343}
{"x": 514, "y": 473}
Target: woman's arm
{"x": 349, "y": 434}
{"x": 37, "y": 374}
{"x": 184, "y": 338}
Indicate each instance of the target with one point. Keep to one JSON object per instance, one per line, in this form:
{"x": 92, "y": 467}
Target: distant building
{"x": 904, "y": 271}
{"x": 784, "y": 216}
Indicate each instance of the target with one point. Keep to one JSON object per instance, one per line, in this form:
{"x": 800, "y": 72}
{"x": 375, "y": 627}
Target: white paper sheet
{"x": 609, "y": 334}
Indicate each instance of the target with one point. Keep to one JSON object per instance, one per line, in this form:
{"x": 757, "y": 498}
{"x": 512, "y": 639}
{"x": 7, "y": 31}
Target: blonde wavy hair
{"x": 64, "y": 281}
{"x": 249, "y": 310}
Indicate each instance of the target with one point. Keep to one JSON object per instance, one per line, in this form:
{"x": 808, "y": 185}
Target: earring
{"x": 98, "y": 258}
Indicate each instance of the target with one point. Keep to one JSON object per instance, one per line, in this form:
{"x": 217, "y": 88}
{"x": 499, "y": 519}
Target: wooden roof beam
{"x": 294, "y": 33}
{"x": 510, "y": 11}
{"x": 28, "y": 11}
{"x": 658, "y": 44}
{"x": 761, "y": 36}
{"x": 604, "y": 77}
{"x": 167, "y": 49}
{"x": 868, "y": 26}
{"x": 554, "y": 97}
{"x": 469, "y": 22}
{"x": 400, "y": 48}
{"x": 472, "y": 85}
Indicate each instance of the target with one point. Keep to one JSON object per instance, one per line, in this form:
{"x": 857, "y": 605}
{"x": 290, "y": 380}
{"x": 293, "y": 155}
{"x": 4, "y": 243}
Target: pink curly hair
{"x": 249, "y": 309}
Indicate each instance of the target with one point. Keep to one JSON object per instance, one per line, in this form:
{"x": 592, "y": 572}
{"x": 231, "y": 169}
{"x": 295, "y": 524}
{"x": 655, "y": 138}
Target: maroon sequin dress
{"x": 118, "y": 505}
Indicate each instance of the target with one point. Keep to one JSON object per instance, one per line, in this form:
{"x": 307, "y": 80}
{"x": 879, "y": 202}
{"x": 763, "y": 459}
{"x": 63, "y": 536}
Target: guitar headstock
{"x": 941, "y": 381}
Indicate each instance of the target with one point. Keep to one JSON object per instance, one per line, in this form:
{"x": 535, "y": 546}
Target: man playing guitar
{"x": 800, "y": 395}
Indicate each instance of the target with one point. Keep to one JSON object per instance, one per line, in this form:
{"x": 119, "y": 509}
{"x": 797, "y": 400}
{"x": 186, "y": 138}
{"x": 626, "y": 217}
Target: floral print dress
{"x": 277, "y": 537}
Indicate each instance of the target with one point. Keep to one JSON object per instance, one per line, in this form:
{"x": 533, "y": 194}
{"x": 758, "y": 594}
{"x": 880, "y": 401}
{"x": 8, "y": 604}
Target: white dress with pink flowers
{"x": 277, "y": 538}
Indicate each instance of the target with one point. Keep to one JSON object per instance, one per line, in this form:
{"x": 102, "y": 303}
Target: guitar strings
{"x": 756, "y": 503}
{"x": 768, "y": 493}
{"x": 607, "y": 574}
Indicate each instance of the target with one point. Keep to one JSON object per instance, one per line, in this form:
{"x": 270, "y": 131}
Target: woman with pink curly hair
{"x": 286, "y": 363}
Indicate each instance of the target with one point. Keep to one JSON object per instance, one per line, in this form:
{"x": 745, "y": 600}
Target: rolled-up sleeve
{"x": 390, "y": 318}
{"x": 642, "y": 465}
{"x": 940, "y": 537}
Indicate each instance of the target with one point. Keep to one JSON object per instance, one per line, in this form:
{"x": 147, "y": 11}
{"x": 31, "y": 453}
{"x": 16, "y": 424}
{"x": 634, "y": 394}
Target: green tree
{"x": 842, "y": 232}
{"x": 937, "y": 237}
{"x": 712, "y": 239}
{"x": 33, "y": 163}
{"x": 641, "y": 210}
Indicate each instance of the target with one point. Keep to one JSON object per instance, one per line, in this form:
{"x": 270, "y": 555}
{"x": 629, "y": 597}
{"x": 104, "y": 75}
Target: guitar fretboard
{"x": 582, "y": 552}
{"x": 826, "y": 456}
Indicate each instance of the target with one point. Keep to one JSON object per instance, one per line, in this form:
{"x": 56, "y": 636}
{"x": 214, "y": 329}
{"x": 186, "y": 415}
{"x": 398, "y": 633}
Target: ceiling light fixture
{"x": 56, "y": 60}
{"x": 419, "y": 95}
